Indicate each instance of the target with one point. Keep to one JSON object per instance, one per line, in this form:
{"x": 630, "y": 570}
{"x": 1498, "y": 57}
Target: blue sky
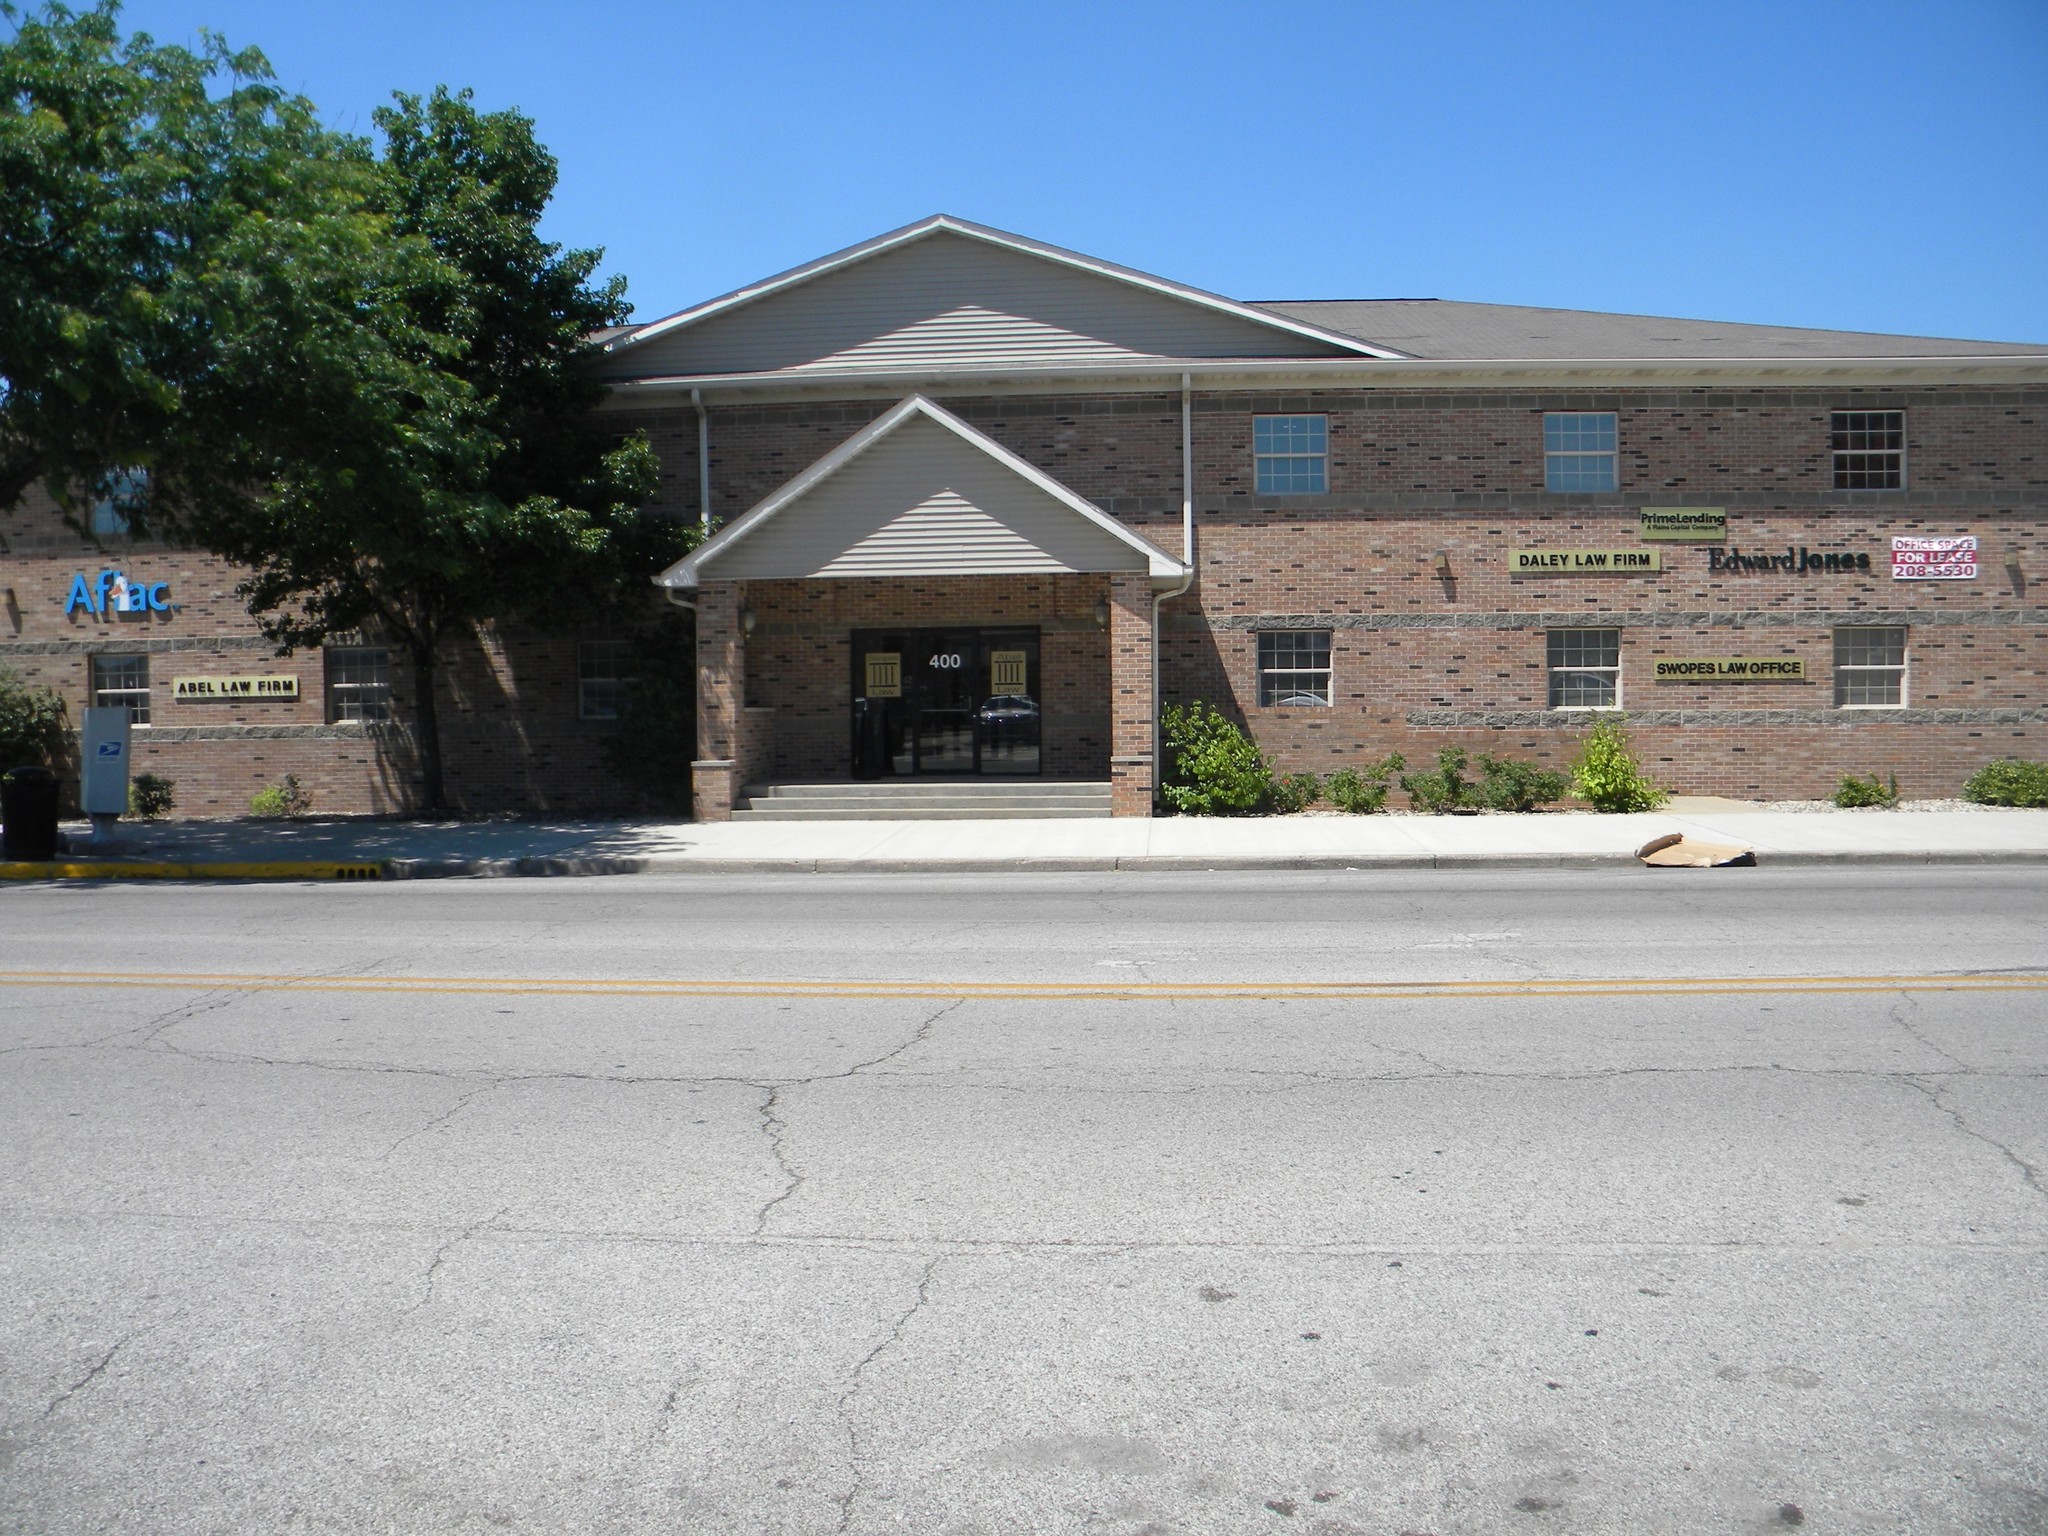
{"x": 1877, "y": 166}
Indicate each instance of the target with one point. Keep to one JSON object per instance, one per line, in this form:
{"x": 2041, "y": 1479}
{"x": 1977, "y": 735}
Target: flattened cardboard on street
{"x": 1674, "y": 850}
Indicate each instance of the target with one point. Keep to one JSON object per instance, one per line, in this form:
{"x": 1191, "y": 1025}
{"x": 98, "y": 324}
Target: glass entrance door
{"x": 945, "y": 701}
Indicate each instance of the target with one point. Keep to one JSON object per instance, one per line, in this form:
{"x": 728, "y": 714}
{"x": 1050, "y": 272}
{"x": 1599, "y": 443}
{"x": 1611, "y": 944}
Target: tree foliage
{"x": 164, "y": 217}
{"x": 354, "y": 369}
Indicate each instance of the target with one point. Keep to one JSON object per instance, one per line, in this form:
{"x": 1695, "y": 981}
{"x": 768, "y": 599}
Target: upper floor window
{"x": 1579, "y": 451}
{"x": 1870, "y": 450}
{"x": 358, "y": 683}
{"x": 122, "y": 682}
{"x": 1294, "y": 666}
{"x": 1291, "y": 455}
{"x": 110, "y": 514}
{"x": 603, "y": 670}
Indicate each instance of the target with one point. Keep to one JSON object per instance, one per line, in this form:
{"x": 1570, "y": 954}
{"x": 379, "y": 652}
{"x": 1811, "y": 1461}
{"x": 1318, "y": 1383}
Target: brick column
{"x": 1130, "y": 695}
{"x": 721, "y": 682}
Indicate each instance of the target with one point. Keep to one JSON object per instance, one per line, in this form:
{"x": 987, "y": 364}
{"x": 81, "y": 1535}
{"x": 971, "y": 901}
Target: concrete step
{"x": 924, "y": 799}
{"x": 873, "y": 812}
{"x": 931, "y": 789}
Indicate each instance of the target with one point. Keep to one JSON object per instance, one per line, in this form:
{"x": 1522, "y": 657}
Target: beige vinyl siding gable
{"x": 949, "y": 301}
{"x": 922, "y": 502}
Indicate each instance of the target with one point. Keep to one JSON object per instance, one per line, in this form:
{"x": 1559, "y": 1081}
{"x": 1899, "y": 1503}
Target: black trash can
{"x": 28, "y": 814}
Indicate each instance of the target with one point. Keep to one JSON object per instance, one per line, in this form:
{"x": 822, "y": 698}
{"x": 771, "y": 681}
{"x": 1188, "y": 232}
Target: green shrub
{"x": 1512, "y": 785}
{"x": 31, "y": 724}
{"x": 1444, "y": 788}
{"x": 1294, "y": 792}
{"x": 1216, "y": 769}
{"x": 1607, "y": 775}
{"x": 149, "y": 795}
{"x": 1853, "y": 793}
{"x": 1361, "y": 793}
{"x": 287, "y": 797}
{"x": 2009, "y": 781}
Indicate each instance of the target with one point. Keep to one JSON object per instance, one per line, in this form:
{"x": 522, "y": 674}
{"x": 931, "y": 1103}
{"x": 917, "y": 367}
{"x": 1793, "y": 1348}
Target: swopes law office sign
{"x": 1934, "y": 559}
{"x": 1729, "y": 669}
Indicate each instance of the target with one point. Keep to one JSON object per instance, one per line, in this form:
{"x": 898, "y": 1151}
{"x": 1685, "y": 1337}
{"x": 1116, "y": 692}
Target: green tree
{"x": 442, "y": 464}
{"x": 160, "y": 213}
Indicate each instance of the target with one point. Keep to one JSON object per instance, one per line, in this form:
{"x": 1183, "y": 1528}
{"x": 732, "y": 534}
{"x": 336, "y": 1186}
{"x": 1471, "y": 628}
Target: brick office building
{"x": 983, "y": 503}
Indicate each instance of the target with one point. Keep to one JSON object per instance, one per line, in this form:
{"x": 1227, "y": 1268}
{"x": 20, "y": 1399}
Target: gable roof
{"x": 920, "y": 492}
{"x": 1453, "y": 330}
{"x": 944, "y": 290}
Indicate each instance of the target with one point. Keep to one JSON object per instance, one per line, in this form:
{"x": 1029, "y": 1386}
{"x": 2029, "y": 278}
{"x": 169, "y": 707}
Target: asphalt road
{"x": 1630, "y": 1201}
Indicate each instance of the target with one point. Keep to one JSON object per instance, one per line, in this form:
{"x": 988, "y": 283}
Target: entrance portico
{"x": 921, "y": 601}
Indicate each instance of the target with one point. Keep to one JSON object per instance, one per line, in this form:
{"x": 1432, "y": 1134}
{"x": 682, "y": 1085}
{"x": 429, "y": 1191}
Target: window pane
{"x": 1290, "y": 455}
{"x": 122, "y": 682}
{"x": 600, "y": 679}
{"x": 358, "y": 683}
{"x": 1294, "y": 666}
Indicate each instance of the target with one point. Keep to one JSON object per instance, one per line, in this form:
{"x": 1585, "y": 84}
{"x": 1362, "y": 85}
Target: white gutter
{"x": 703, "y": 460}
{"x": 1187, "y": 547}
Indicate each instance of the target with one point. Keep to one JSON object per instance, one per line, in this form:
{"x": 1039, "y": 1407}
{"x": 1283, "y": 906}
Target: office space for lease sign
{"x": 1934, "y": 559}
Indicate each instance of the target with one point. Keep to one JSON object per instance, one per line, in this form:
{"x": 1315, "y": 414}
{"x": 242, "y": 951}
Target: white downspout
{"x": 703, "y": 460}
{"x": 1187, "y": 544}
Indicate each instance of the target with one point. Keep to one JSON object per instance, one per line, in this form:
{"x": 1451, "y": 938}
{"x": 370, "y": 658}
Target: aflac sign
{"x": 115, "y": 593}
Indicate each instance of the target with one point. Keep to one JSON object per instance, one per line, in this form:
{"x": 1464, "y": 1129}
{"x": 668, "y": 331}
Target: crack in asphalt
{"x": 441, "y": 1255}
{"x": 89, "y": 1377}
{"x": 856, "y": 1456}
{"x": 776, "y": 1127}
{"x": 444, "y": 1117}
{"x": 2029, "y": 1174}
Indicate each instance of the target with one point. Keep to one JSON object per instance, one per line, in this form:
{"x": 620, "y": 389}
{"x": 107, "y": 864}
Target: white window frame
{"x": 1553, "y": 670}
{"x": 617, "y": 678}
{"x": 1562, "y": 458}
{"x": 1271, "y": 695}
{"x": 1269, "y": 460}
{"x": 134, "y": 696}
{"x": 1902, "y": 669}
{"x": 355, "y": 700}
{"x": 1837, "y": 455}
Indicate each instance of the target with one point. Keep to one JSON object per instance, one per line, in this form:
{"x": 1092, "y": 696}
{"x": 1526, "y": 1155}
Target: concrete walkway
{"x": 326, "y": 848}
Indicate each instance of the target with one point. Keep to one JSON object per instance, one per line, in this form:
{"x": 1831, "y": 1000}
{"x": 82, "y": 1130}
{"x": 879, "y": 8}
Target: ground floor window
{"x": 1585, "y": 668}
{"x": 1870, "y": 666}
{"x": 358, "y": 683}
{"x": 122, "y": 682}
{"x": 1294, "y": 666}
{"x": 603, "y": 674}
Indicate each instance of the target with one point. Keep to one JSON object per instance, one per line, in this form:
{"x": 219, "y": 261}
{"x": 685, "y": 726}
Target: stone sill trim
{"x": 1648, "y": 618}
{"x": 671, "y": 864}
{"x": 111, "y": 639}
{"x": 142, "y": 735}
{"x": 1580, "y": 719}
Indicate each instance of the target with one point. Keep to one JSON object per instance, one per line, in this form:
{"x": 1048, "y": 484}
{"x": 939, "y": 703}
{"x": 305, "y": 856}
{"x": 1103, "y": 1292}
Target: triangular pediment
{"x": 920, "y": 493}
{"x": 944, "y": 294}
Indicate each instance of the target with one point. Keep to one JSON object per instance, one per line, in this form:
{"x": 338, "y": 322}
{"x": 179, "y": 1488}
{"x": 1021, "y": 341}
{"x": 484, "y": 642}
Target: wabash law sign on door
{"x": 945, "y": 701}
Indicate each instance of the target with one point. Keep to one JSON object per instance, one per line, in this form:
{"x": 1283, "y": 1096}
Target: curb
{"x": 157, "y": 869}
{"x": 676, "y": 864}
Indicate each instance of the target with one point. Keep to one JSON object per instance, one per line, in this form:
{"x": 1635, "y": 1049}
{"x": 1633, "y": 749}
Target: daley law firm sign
{"x": 1584, "y": 562}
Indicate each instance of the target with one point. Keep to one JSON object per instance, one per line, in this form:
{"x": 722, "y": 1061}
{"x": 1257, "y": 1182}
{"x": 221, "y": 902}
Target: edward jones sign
{"x": 1934, "y": 559}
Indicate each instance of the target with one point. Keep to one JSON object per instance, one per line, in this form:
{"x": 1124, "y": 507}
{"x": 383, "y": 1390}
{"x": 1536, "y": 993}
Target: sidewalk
{"x": 340, "y": 848}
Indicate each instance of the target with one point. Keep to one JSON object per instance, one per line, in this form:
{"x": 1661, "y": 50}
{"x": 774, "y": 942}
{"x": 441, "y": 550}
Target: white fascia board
{"x": 2000, "y": 369}
{"x": 946, "y": 223}
{"x": 684, "y": 573}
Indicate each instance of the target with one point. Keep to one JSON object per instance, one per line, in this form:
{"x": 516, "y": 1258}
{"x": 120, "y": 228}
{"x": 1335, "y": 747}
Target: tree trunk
{"x": 427, "y": 730}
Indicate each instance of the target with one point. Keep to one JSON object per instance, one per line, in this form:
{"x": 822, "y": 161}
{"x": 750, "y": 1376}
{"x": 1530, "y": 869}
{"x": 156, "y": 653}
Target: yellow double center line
{"x": 1136, "y": 990}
